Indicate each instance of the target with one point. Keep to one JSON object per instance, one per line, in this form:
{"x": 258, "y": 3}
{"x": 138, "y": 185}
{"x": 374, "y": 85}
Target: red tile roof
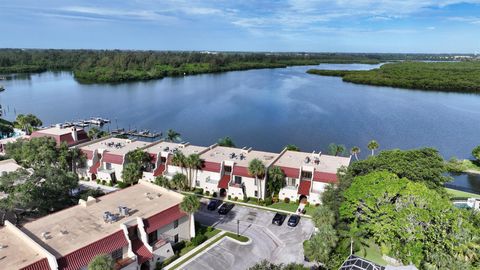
{"x": 304, "y": 187}
{"x": 159, "y": 170}
{"x": 141, "y": 251}
{"x": 88, "y": 153}
{"x": 112, "y": 158}
{"x": 223, "y": 183}
{"x": 82, "y": 257}
{"x": 94, "y": 168}
{"x": 325, "y": 177}
{"x": 291, "y": 172}
{"x": 163, "y": 218}
{"x": 211, "y": 166}
{"x": 241, "y": 171}
{"x": 38, "y": 265}
{"x": 67, "y": 137}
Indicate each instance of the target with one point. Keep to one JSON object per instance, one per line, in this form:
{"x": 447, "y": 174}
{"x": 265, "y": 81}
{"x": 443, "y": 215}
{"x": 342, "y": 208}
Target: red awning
{"x": 141, "y": 251}
{"x": 241, "y": 171}
{"x": 159, "y": 170}
{"x": 38, "y": 265}
{"x": 324, "y": 177}
{"x": 82, "y": 257}
{"x": 211, "y": 166}
{"x": 163, "y": 218}
{"x": 223, "y": 183}
{"x": 291, "y": 172}
{"x": 94, "y": 168}
{"x": 304, "y": 187}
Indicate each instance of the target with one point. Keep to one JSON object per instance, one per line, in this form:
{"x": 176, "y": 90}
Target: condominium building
{"x": 307, "y": 174}
{"x": 136, "y": 226}
{"x": 70, "y": 136}
{"x": 106, "y": 157}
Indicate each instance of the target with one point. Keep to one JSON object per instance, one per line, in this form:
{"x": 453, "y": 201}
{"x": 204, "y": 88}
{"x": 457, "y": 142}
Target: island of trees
{"x": 106, "y": 66}
{"x": 434, "y": 76}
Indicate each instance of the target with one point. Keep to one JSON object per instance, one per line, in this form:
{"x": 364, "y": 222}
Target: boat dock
{"x": 135, "y": 133}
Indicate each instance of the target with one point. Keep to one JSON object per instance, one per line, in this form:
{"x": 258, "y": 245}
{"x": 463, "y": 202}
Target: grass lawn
{"x": 240, "y": 238}
{"x": 292, "y": 207}
{"x": 373, "y": 254}
{"x": 461, "y": 194}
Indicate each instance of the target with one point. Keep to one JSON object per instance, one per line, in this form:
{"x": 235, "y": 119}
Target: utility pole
{"x": 238, "y": 227}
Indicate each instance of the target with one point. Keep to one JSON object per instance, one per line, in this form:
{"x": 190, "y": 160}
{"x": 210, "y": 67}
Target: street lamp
{"x": 238, "y": 227}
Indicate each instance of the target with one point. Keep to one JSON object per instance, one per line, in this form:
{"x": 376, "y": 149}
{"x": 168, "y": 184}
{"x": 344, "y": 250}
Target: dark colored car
{"x": 213, "y": 204}
{"x": 293, "y": 220}
{"x": 278, "y": 219}
{"x": 225, "y": 208}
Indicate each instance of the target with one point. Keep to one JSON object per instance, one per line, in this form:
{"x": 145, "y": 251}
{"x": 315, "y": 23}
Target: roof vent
{"x": 307, "y": 160}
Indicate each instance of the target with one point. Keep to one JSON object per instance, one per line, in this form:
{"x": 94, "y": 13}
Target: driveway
{"x": 278, "y": 244}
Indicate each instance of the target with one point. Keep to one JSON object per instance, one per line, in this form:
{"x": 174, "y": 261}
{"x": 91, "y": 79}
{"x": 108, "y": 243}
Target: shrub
{"x": 122, "y": 185}
{"x": 229, "y": 197}
{"x": 286, "y": 200}
{"x": 198, "y": 239}
{"x": 275, "y": 199}
{"x": 268, "y": 201}
{"x": 245, "y": 199}
{"x": 214, "y": 194}
{"x": 104, "y": 182}
{"x": 307, "y": 203}
{"x": 236, "y": 198}
{"x": 98, "y": 181}
{"x": 297, "y": 201}
{"x": 198, "y": 191}
{"x": 253, "y": 199}
{"x": 317, "y": 204}
{"x": 207, "y": 193}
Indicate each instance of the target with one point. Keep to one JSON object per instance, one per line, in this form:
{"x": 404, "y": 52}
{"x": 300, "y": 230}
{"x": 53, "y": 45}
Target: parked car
{"x": 278, "y": 219}
{"x": 225, "y": 208}
{"x": 293, "y": 220}
{"x": 213, "y": 204}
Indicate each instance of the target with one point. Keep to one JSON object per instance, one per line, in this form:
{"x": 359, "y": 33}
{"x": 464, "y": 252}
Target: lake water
{"x": 265, "y": 109}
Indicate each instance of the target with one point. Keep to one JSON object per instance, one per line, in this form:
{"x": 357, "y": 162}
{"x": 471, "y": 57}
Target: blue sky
{"x": 244, "y": 25}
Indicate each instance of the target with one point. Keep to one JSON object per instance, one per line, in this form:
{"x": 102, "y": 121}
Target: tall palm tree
{"x": 373, "y": 145}
{"x": 193, "y": 163}
{"x": 257, "y": 169}
{"x": 179, "y": 181}
{"x": 172, "y": 135}
{"x": 355, "y": 151}
{"x": 179, "y": 160}
{"x": 189, "y": 205}
{"x": 276, "y": 180}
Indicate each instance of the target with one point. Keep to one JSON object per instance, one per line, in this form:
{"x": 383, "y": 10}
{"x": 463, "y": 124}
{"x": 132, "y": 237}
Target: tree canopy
{"x": 266, "y": 265}
{"x": 27, "y": 122}
{"x": 226, "y": 141}
{"x": 476, "y": 153}
{"x": 190, "y": 204}
{"x": 101, "y": 262}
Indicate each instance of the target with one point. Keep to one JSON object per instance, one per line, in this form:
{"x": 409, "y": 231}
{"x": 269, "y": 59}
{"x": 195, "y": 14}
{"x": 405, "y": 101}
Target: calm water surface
{"x": 265, "y": 109}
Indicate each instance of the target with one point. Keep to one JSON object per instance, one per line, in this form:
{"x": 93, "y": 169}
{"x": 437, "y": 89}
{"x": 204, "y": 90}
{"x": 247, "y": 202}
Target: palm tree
{"x": 101, "y": 262}
{"x": 179, "y": 181}
{"x": 162, "y": 181}
{"x": 27, "y": 122}
{"x": 276, "y": 180}
{"x": 193, "y": 163}
{"x": 373, "y": 145}
{"x": 179, "y": 160}
{"x": 189, "y": 205}
{"x": 355, "y": 151}
{"x": 257, "y": 169}
{"x": 172, "y": 135}
{"x": 226, "y": 141}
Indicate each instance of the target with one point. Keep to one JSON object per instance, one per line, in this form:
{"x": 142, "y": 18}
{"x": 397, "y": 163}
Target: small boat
{"x": 2, "y": 88}
{"x": 96, "y": 121}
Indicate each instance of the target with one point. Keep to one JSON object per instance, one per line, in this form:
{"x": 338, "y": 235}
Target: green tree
{"x": 336, "y": 149}
{"x": 193, "y": 163}
{"x": 257, "y": 169}
{"x": 276, "y": 180}
{"x": 179, "y": 160}
{"x": 355, "y": 151}
{"x": 323, "y": 216}
{"x": 172, "y": 135}
{"x": 95, "y": 133}
{"x": 190, "y": 204}
{"x": 162, "y": 181}
{"x": 101, "y": 262}
{"x": 27, "y": 122}
{"x": 266, "y": 265}
{"x": 139, "y": 157}
{"x": 372, "y": 146}
{"x": 226, "y": 141}
{"x": 476, "y": 153}
{"x": 319, "y": 247}
{"x": 131, "y": 173}
{"x": 292, "y": 147}
{"x": 179, "y": 181}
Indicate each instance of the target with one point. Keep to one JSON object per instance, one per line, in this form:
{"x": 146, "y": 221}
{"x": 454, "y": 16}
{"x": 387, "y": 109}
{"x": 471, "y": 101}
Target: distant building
{"x": 136, "y": 226}
{"x": 71, "y": 135}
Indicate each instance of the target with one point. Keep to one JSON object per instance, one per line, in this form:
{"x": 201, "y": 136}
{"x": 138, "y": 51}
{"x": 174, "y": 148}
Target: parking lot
{"x": 279, "y": 244}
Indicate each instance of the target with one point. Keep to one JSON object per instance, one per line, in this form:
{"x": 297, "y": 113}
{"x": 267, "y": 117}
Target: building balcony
{"x": 125, "y": 264}
{"x": 159, "y": 243}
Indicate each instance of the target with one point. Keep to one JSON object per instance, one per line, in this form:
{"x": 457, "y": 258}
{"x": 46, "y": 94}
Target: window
{"x": 175, "y": 238}
{"x": 108, "y": 166}
{"x": 291, "y": 181}
{"x": 152, "y": 237}
{"x": 256, "y": 193}
{"x": 117, "y": 254}
{"x": 306, "y": 175}
{"x": 175, "y": 224}
{"x": 238, "y": 180}
{"x": 197, "y": 183}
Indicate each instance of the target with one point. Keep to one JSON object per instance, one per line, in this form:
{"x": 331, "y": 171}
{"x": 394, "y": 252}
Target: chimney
{"x": 74, "y": 134}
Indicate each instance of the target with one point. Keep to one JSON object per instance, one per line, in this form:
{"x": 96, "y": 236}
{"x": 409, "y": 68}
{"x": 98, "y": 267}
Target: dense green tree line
{"x": 434, "y": 76}
{"x": 117, "y": 66}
